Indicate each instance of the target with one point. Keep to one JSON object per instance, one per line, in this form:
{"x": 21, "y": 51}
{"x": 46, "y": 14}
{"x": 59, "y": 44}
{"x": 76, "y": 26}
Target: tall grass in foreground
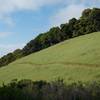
{"x": 56, "y": 90}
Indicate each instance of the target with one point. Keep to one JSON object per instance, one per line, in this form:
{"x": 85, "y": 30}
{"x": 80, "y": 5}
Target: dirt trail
{"x": 62, "y": 63}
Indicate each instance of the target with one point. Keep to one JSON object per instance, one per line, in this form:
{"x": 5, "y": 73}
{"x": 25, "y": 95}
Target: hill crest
{"x": 77, "y": 59}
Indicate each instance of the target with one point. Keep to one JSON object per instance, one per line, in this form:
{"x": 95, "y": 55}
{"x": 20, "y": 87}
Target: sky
{"x": 22, "y": 20}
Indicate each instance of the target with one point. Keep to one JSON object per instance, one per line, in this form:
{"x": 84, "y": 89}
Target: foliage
{"x": 41, "y": 90}
{"x": 75, "y": 59}
{"x": 89, "y": 22}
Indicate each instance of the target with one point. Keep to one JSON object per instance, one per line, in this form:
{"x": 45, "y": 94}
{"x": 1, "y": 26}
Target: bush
{"x": 41, "y": 90}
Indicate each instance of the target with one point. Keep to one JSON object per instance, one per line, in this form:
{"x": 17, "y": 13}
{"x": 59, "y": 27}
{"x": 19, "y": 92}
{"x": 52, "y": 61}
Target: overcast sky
{"x": 22, "y": 20}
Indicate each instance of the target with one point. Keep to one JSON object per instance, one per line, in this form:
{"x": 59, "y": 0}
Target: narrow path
{"x": 63, "y": 63}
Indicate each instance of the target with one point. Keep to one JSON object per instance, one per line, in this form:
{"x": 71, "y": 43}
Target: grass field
{"x": 76, "y": 59}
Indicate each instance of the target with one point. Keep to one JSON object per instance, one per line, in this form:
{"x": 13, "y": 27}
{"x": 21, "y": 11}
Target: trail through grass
{"x": 76, "y": 59}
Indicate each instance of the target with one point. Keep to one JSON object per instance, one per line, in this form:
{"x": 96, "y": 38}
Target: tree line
{"x": 56, "y": 90}
{"x": 89, "y": 22}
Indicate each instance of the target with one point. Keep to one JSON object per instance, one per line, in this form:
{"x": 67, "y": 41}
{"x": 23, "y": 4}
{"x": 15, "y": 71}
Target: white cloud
{"x": 85, "y": 2}
{"x": 5, "y": 34}
{"x": 66, "y": 13}
{"x": 72, "y": 8}
{"x": 7, "y": 48}
{"x": 9, "y": 6}
{"x": 7, "y": 20}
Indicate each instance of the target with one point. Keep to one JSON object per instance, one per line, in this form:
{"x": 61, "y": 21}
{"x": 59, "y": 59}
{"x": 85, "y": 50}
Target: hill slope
{"x": 89, "y": 22}
{"x": 76, "y": 59}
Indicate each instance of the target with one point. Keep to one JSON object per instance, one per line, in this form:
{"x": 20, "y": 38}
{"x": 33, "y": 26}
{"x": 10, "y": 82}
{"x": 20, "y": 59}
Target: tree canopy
{"x": 89, "y": 22}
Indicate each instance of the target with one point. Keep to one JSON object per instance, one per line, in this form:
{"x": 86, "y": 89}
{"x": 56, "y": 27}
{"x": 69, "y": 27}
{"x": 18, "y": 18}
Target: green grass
{"x": 76, "y": 59}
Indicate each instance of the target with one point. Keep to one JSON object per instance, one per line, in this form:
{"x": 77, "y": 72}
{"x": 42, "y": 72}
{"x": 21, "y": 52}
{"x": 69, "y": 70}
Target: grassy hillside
{"x": 76, "y": 59}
